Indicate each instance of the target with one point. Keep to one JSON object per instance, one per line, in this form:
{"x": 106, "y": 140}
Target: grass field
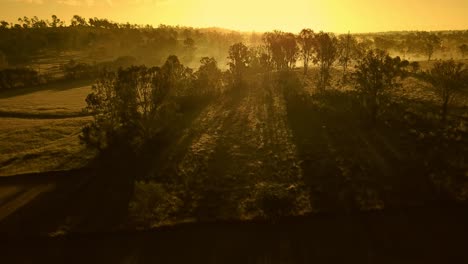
{"x": 39, "y": 128}
{"x": 56, "y": 100}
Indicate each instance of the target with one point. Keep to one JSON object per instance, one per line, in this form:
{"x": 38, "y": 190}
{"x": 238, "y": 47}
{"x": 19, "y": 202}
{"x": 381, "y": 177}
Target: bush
{"x": 274, "y": 200}
{"x": 75, "y": 70}
{"x": 13, "y": 78}
{"x": 153, "y": 204}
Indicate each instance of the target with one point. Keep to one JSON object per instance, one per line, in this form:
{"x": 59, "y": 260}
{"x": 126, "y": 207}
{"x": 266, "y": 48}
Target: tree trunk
{"x": 444, "y": 111}
{"x": 306, "y": 65}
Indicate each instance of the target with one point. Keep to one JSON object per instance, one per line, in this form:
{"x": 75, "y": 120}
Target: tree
{"x": 260, "y": 60}
{"x": 238, "y": 61}
{"x": 4, "y": 24}
{"x": 348, "y": 49}
{"x": 124, "y": 105}
{"x": 306, "y": 43}
{"x": 282, "y": 48}
{"x": 3, "y": 61}
{"x": 291, "y": 50}
{"x": 133, "y": 106}
{"x": 189, "y": 48}
{"x": 208, "y": 76}
{"x": 56, "y": 22}
{"x": 384, "y": 43}
{"x": 375, "y": 74}
{"x": 414, "y": 67}
{"x": 448, "y": 78}
{"x": 26, "y": 22}
{"x": 463, "y": 48}
{"x": 428, "y": 43}
{"x": 326, "y": 52}
{"x": 38, "y": 23}
{"x": 78, "y": 21}
{"x": 175, "y": 78}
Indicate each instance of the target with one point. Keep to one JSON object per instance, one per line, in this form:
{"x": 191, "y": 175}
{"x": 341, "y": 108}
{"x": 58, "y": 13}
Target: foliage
{"x": 153, "y": 203}
{"x": 448, "y": 78}
{"x": 12, "y": 78}
{"x": 208, "y": 76}
{"x": 260, "y": 60}
{"x": 238, "y": 61}
{"x": 274, "y": 200}
{"x": 349, "y": 49}
{"x": 306, "y": 44}
{"x": 282, "y": 48}
{"x": 124, "y": 106}
{"x": 375, "y": 74}
{"x": 77, "y": 70}
{"x": 326, "y": 52}
{"x": 133, "y": 106}
{"x": 463, "y": 48}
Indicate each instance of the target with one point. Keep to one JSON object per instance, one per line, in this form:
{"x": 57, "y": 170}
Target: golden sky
{"x": 258, "y": 15}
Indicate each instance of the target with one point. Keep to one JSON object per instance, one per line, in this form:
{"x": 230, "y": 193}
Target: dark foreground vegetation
{"x": 435, "y": 234}
{"x": 361, "y": 151}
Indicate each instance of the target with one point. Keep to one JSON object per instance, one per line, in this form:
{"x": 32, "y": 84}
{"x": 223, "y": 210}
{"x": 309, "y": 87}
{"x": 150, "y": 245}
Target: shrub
{"x": 153, "y": 204}
{"x": 12, "y": 78}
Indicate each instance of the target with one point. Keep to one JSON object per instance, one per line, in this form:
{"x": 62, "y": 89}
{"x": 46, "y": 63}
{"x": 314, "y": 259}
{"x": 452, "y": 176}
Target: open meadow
{"x": 40, "y": 127}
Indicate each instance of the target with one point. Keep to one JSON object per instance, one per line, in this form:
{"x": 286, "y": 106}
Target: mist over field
{"x": 124, "y": 142}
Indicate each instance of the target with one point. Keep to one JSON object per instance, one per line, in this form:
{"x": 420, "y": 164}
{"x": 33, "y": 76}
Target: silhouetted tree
{"x": 260, "y": 60}
{"x": 38, "y": 23}
{"x": 448, "y": 78}
{"x": 348, "y": 50}
{"x": 11, "y": 78}
{"x": 25, "y": 22}
{"x": 56, "y": 22}
{"x": 375, "y": 74}
{"x": 384, "y": 43}
{"x": 326, "y": 52}
{"x": 4, "y": 24}
{"x": 189, "y": 48}
{"x": 427, "y": 43}
{"x": 176, "y": 78}
{"x": 78, "y": 21}
{"x": 124, "y": 105}
{"x": 463, "y": 50}
{"x": 238, "y": 61}
{"x": 306, "y": 44}
{"x": 291, "y": 50}
{"x": 75, "y": 70}
{"x": 209, "y": 76}
{"x": 282, "y": 48}
{"x": 414, "y": 67}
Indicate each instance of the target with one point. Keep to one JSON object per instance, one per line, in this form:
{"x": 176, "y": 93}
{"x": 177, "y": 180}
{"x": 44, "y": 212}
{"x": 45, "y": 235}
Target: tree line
{"x": 140, "y": 102}
{"x": 22, "y": 41}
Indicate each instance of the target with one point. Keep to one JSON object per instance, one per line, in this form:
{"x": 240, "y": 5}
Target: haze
{"x": 261, "y": 15}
